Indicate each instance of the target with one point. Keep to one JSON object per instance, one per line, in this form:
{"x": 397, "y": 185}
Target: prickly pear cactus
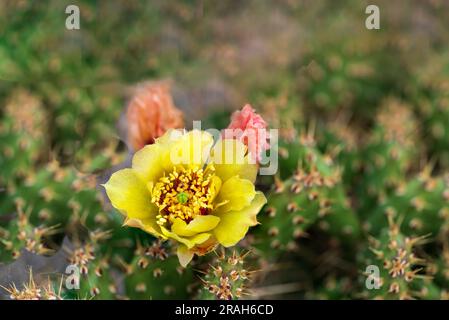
{"x": 389, "y": 153}
{"x": 313, "y": 195}
{"x": 425, "y": 201}
{"x": 359, "y": 205}
{"x": 157, "y": 262}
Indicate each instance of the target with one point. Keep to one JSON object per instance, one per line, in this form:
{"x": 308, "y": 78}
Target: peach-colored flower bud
{"x": 151, "y": 112}
{"x": 249, "y": 127}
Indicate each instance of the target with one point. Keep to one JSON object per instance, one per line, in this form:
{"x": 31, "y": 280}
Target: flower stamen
{"x": 184, "y": 194}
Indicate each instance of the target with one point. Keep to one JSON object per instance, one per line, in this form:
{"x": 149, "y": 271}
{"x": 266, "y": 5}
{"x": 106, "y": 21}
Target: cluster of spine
{"x": 401, "y": 272}
{"x": 33, "y": 291}
{"x": 21, "y": 234}
{"x": 227, "y": 277}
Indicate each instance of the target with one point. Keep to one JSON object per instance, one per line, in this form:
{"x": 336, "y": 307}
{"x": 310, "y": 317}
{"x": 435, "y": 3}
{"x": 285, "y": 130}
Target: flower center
{"x": 183, "y": 197}
{"x": 184, "y": 194}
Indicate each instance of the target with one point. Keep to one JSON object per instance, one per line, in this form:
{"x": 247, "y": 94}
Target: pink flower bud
{"x": 249, "y": 127}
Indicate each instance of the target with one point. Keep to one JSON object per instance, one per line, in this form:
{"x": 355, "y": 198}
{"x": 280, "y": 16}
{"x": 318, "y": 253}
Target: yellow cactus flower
{"x": 185, "y": 188}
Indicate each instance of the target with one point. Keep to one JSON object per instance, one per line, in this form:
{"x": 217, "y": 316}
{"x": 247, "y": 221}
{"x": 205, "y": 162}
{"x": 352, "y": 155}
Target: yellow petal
{"x": 236, "y": 194}
{"x": 170, "y": 139}
{"x": 190, "y": 242}
{"x": 184, "y": 255}
{"x": 197, "y": 225}
{"x": 234, "y": 225}
{"x": 230, "y": 159}
{"x": 192, "y": 149}
{"x": 215, "y": 187}
{"x": 130, "y": 195}
{"x": 170, "y": 136}
{"x": 147, "y": 225}
{"x": 147, "y": 163}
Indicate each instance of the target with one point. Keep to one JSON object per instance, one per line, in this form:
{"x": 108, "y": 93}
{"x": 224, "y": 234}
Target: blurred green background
{"x": 315, "y": 55}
